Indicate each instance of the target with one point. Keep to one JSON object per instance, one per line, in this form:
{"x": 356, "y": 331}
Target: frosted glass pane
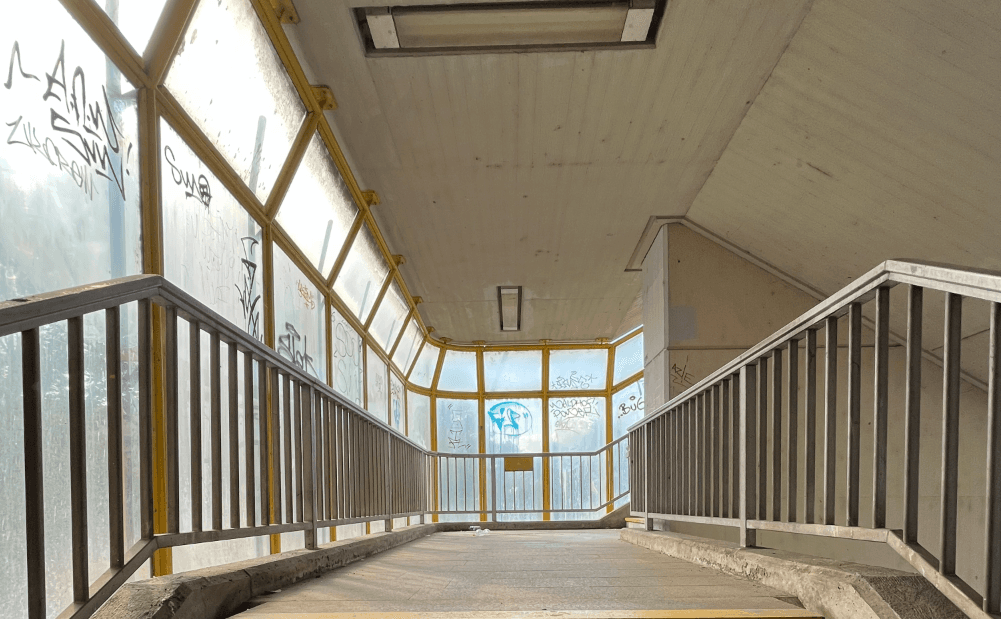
{"x": 627, "y": 408}
{"x": 231, "y": 82}
{"x": 348, "y": 373}
{"x": 396, "y": 406}
{"x": 424, "y": 368}
{"x": 211, "y": 554}
{"x": 571, "y": 370}
{"x": 378, "y": 387}
{"x": 458, "y": 372}
{"x": 362, "y": 276}
{"x": 317, "y": 211}
{"x": 458, "y": 425}
{"x": 212, "y": 247}
{"x": 628, "y": 358}
{"x": 576, "y": 424}
{"x": 512, "y": 370}
{"x": 419, "y": 419}
{"x": 407, "y": 347}
{"x": 514, "y": 426}
{"x": 299, "y": 318}
{"x": 135, "y": 18}
{"x": 69, "y": 156}
{"x": 389, "y": 318}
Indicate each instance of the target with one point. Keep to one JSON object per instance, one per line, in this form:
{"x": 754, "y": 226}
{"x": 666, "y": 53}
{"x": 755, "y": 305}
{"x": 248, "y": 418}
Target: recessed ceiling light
{"x": 509, "y": 300}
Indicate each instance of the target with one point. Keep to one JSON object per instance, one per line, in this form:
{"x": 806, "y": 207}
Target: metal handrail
{"x": 704, "y": 456}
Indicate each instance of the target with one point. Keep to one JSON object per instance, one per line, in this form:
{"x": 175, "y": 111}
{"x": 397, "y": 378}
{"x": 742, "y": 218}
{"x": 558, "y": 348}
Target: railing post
{"x": 389, "y": 481}
{"x": 308, "y": 468}
{"x": 950, "y": 431}
{"x": 493, "y": 489}
{"x": 748, "y": 499}
{"x": 992, "y": 539}
{"x": 34, "y": 500}
{"x": 647, "y": 520}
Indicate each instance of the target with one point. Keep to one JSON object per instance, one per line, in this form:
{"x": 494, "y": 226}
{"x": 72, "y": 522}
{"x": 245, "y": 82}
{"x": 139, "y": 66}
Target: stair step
{"x": 703, "y": 613}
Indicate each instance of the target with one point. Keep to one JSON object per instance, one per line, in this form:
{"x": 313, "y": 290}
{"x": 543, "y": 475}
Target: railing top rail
{"x": 976, "y": 283}
{"x": 532, "y": 455}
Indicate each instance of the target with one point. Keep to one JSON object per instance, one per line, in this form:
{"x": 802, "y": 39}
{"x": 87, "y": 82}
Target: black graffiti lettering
{"x": 198, "y": 189}
{"x": 288, "y": 347}
{"x": 14, "y": 127}
{"x": 248, "y": 299}
{"x": 16, "y": 53}
{"x": 57, "y": 80}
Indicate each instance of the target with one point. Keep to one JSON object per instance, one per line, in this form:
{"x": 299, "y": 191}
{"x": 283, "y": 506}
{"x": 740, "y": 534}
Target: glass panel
{"x": 362, "y": 276}
{"x": 69, "y": 157}
{"x": 512, "y": 370}
{"x": 378, "y": 389}
{"x": 348, "y": 373}
{"x": 628, "y": 358}
{"x": 426, "y": 364}
{"x": 396, "y": 416}
{"x": 411, "y": 340}
{"x": 458, "y": 372}
{"x": 571, "y": 370}
{"x": 227, "y": 76}
{"x": 627, "y": 408}
{"x": 419, "y": 419}
{"x": 299, "y": 318}
{"x": 390, "y": 318}
{"x": 212, "y": 247}
{"x": 458, "y": 427}
{"x": 514, "y": 426}
{"x": 458, "y": 433}
{"x": 210, "y": 554}
{"x": 135, "y": 18}
{"x": 576, "y": 424}
{"x": 317, "y": 212}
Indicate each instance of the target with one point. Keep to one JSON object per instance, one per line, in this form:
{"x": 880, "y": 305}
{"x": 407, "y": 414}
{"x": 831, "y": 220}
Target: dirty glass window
{"x": 300, "y": 318}
{"x": 378, "y": 387}
{"x": 512, "y": 370}
{"x": 578, "y": 482}
{"x": 576, "y": 424}
{"x": 407, "y": 347}
{"x": 231, "y": 82}
{"x": 390, "y": 317}
{"x": 578, "y": 370}
{"x": 514, "y": 426}
{"x": 397, "y": 412}
{"x": 135, "y": 18}
{"x": 458, "y": 372}
{"x": 348, "y": 372}
{"x": 317, "y": 211}
{"x": 69, "y": 157}
{"x": 424, "y": 368}
{"x": 627, "y": 408}
{"x": 458, "y": 433}
{"x": 212, "y": 246}
{"x": 628, "y": 358}
{"x": 419, "y": 419}
{"x": 362, "y": 276}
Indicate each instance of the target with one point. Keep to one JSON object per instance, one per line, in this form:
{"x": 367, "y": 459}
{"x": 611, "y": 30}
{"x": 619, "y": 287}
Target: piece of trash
{"x": 474, "y": 528}
{"x": 480, "y": 532}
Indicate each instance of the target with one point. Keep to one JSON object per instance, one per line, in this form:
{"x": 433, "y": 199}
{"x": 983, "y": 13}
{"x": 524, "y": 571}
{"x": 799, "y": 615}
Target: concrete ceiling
{"x": 822, "y": 136}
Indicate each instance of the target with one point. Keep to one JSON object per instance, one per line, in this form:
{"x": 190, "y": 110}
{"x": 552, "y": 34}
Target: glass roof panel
{"x": 519, "y": 370}
{"x": 390, "y": 317}
{"x": 135, "y": 18}
{"x": 628, "y": 358}
{"x": 317, "y": 212}
{"x": 228, "y": 77}
{"x": 362, "y": 276}
{"x": 573, "y": 370}
{"x": 407, "y": 348}
{"x": 458, "y": 371}
{"x": 424, "y": 368}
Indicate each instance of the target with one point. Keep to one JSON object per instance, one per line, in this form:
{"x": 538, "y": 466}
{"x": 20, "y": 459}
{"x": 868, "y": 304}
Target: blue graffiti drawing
{"x": 511, "y": 418}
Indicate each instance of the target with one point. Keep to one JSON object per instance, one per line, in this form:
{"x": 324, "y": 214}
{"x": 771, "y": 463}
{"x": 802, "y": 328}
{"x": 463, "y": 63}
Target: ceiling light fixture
{"x": 509, "y": 300}
{"x": 509, "y": 26}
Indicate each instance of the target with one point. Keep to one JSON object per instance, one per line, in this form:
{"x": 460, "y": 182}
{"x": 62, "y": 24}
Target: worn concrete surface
{"x": 519, "y": 571}
{"x": 835, "y": 589}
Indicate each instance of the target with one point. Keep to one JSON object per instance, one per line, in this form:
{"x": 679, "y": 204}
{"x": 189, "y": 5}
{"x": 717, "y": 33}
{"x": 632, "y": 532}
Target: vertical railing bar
{"x": 992, "y": 517}
{"x": 736, "y": 468}
{"x": 322, "y": 457}
{"x": 170, "y": 422}
{"x": 854, "y": 410}
{"x": 145, "y": 365}
{"x": 880, "y": 406}
{"x": 912, "y": 407}
{"x": 748, "y": 445}
{"x": 34, "y": 480}
{"x": 715, "y": 452}
{"x": 297, "y": 447}
{"x": 950, "y": 430}
{"x": 810, "y": 438}
{"x": 308, "y": 467}
{"x": 215, "y": 392}
{"x": 78, "y": 457}
{"x": 234, "y": 438}
{"x": 195, "y": 421}
{"x": 248, "y": 437}
{"x": 289, "y": 490}
{"x": 830, "y": 417}
{"x": 700, "y": 452}
{"x": 792, "y": 388}
{"x": 116, "y": 492}
{"x": 762, "y": 412}
{"x": 777, "y": 435}
{"x": 725, "y": 455}
{"x": 276, "y": 439}
{"x": 263, "y": 381}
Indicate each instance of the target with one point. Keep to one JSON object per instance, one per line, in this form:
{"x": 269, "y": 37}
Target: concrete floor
{"x": 520, "y": 571}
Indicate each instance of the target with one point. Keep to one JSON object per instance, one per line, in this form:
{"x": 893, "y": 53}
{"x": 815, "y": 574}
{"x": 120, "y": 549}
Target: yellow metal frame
{"x": 147, "y": 70}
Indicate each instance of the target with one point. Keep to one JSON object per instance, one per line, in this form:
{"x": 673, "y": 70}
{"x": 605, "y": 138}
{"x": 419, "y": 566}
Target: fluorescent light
{"x": 638, "y": 20}
{"x": 509, "y": 299}
{"x": 382, "y": 27}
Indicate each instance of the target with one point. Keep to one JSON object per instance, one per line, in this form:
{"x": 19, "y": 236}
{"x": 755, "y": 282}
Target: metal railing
{"x": 711, "y": 455}
{"x": 297, "y": 456}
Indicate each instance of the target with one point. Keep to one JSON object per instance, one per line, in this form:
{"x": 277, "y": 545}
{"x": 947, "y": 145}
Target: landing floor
{"x": 518, "y": 571}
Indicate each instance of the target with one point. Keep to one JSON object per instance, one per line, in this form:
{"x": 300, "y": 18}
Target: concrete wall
{"x": 719, "y": 305}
